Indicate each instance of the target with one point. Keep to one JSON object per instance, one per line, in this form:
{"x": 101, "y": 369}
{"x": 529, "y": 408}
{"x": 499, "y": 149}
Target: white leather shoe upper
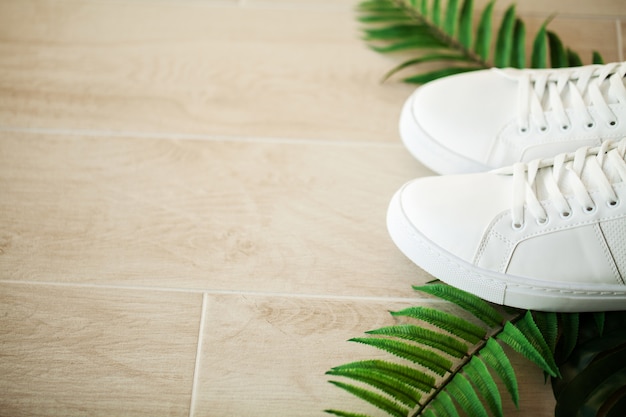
{"x": 486, "y": 119}
{"x": 549, "y": 234}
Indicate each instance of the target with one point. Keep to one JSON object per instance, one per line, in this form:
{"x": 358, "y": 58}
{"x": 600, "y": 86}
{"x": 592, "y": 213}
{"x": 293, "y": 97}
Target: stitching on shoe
{"x": 607, "y": 252}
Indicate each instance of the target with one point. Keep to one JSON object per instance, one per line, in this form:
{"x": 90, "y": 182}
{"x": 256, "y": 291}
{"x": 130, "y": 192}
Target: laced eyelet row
{"x": 565, "y": 128}
{"x": 567, "y": 214}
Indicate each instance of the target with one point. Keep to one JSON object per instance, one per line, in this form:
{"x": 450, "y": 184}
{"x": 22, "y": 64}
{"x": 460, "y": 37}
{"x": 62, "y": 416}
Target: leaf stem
{"x": 415, "y": 412}
{"x": 442, "y": 36}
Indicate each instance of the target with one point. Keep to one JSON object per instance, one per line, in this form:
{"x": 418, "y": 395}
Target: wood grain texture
{"x": 273, "y": 351}
{"x": 180, "y": 67}
{"x": 77, "y": 352}
{"x": 238, "y": 216}
{"x": 243, "y": 149}
{"x": 605, "y": 9}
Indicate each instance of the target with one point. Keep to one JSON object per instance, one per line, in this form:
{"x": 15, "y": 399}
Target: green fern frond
{"x": 513, "y": 337}
{"x": 548, "y": 326}
{"x": 439, "y": 341}
{"x": 570, "y": 324}
{"x": 390, "y": 407}
{"x": 469, "y": 302}
{"x": 463, "y": 393}
{"x": 402, "y": 393}
{"x": 402, "y": 373}
{"x": 478, "y": 373}
{"x": 496, "y": 358}
{"x": 443, "y": 406}
{"x": 599, "y": 318}
{"x": 429, "y": 359}
{"x": 530, "y": 330}
{"x": 454, "y": 325}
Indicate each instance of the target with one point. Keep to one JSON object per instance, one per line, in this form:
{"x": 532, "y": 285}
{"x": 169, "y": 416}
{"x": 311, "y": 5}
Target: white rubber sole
{"x": 430, "y": 152}
{"x": 496, "y": 287}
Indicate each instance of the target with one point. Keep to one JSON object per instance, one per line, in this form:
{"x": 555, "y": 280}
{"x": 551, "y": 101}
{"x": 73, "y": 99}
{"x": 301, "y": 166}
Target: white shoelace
{"x": 602, "y": 166}
{"x": 583, "y": 86}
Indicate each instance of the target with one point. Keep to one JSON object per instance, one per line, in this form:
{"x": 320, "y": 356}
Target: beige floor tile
{"x": 240, "y": 216}
{"x": 77, "y": 352}
{"x": 582, "y": 36}
{"x": 622, "y": 26}
{"x": 583, "y": 8}
{"x": 179, "y": 67}
{"x": 274, "y": 351}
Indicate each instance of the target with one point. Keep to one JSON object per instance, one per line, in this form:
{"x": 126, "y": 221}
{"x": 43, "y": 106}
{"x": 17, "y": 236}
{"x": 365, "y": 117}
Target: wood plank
{"x": 76, "y": 352}
{"x": 221, "y": 215}
{"x": 179, "y": 67}
{"x": 579, "y": 8}
{"x": 266, "y": 356}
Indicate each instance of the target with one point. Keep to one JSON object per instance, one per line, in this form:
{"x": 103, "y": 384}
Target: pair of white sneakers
{"x": 531, "y": 211}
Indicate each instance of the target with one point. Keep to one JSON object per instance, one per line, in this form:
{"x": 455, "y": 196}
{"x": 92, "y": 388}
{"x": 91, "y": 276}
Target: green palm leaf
{"x": 518, "y": 54}
{"x": 434, "y": 75}
{"x": 445, "y": 28}
{"x": 540, "y": 48}
{"x": 344, "y": 414}
{"x": 558, "y": 55}
{"x": 483, "y": 33}
{"x": 452, "y": 16}
{"x": 504, "y": 41}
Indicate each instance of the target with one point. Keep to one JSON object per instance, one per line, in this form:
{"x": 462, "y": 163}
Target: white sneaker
{"x": 487, "y": 119}
{"x": 546, "y": 235}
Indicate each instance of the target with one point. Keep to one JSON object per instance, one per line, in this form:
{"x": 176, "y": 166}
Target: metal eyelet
{"x": 517, "y": 226}
{"x": 590, "y": 209}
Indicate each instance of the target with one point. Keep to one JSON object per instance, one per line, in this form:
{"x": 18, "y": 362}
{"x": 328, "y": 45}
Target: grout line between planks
{"x": 620, "y": 40}
{"x": 198, "y": 364}
{"x": 196, "y": 137}
{"x": 414, "y": 296}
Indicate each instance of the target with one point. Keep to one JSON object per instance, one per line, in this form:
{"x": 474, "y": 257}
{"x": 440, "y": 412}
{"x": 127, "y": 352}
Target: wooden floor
{"x": 192, "y": 203}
